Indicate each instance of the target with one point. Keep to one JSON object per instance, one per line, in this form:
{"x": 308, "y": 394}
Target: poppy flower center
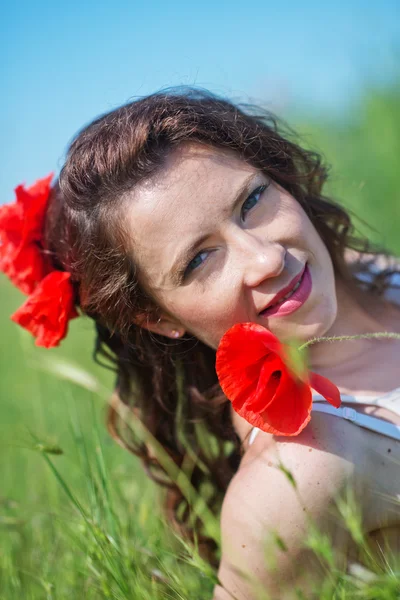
{"x": 276, "y": 375}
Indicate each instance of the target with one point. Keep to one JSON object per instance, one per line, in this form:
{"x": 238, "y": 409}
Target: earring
{"x": 175, "y": 333}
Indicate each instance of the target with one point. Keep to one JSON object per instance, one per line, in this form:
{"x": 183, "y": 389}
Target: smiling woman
{"x": 176, "y": 217}
{"x": 238, "y": 232}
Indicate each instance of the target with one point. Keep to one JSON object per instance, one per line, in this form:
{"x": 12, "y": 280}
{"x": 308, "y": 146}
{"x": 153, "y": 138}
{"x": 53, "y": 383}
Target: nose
{"x": 260, "y": 259}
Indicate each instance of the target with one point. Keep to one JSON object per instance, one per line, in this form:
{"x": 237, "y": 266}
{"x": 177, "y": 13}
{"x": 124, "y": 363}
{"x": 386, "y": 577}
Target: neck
{"x": 357, "y": 314}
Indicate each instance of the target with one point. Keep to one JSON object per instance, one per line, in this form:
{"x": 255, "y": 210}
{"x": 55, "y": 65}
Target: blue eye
{"x": 195, "y": 262}
{"x": 251, "y": 201}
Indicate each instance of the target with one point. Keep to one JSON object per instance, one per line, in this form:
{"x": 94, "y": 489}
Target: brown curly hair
{"x": 171, "y": 385}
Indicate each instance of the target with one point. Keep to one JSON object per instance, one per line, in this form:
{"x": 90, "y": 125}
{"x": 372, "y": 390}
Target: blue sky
{"x": 66, "y": 63}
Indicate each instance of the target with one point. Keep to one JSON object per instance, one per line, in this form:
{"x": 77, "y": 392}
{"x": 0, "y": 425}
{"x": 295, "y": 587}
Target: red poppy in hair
{"x": 21, "y": 230}
{"x": 48, "y": 309}
{"x": 50, "y": 303}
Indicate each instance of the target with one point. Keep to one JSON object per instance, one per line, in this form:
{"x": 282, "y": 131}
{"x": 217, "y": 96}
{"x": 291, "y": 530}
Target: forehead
{"x": 182, "y": 202}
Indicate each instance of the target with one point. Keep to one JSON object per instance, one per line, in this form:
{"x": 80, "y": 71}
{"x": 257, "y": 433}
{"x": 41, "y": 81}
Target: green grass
{"x": 364, "y": 151}
{"x": 78, "y": 516}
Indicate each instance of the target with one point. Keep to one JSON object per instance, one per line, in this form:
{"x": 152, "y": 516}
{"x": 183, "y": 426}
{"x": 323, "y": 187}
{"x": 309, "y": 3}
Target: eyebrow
{"x": 190, "y": 251}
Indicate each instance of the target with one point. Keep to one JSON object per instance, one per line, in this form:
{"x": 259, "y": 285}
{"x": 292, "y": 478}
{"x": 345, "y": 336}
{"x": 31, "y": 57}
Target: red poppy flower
{"x": 21, "y": 228}
{"x": 48, "y": 309}
{"x": 254, "y": 373}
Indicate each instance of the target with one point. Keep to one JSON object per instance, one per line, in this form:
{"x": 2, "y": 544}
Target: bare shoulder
{"x": 270, "y": 504}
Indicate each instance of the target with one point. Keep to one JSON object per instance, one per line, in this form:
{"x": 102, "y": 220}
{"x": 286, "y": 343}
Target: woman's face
{"x": 216, "y": 240}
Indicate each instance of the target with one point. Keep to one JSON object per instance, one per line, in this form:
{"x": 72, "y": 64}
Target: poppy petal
{"x": 48, "y": 309}
{"x": 256, "y": 373}
{"x": 268, "y": 384}
{"x": 28, "y": 267}
{"x": 242, "y": 356}
{"x": 326, "y": 388}
{"x": 21, "y": 229}
{"x": 290, "y": 411}
{"x": 245, "y": 344}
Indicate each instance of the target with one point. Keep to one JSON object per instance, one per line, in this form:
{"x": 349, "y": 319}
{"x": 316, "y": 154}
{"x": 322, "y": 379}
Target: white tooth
{"x": 290, "y": 293}
{"x": 287, "y": 295}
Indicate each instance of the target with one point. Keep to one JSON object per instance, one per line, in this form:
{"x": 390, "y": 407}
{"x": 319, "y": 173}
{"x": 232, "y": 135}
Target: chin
{"x": 322, "y": 325}
{"x": 315, "y": 323}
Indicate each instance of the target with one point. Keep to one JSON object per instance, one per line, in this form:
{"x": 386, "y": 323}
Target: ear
{"x": 165, "y": 325}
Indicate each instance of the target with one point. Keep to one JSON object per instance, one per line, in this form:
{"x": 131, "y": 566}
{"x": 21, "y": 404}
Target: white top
{"x": 390, "y": 401}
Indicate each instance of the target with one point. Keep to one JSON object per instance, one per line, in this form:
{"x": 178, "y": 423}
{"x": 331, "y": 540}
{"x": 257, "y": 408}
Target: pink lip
{"x": 295, "y": 301}
{"x": 286, "y": 289}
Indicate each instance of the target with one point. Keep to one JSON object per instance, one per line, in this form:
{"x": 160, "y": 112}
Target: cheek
{"x": 197, "y": 308}
{"x": 207, "y": 315}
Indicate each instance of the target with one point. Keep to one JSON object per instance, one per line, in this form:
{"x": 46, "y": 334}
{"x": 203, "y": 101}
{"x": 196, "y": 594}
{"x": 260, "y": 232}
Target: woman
{"x": 179, "y": 215}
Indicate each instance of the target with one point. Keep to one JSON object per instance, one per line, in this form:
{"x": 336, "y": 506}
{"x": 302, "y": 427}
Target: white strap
{"x": 253, "y": 434}
{"x": 365, "y": 421}
{"x": 372, "y": 423}
{"x": 390, "y": 401}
